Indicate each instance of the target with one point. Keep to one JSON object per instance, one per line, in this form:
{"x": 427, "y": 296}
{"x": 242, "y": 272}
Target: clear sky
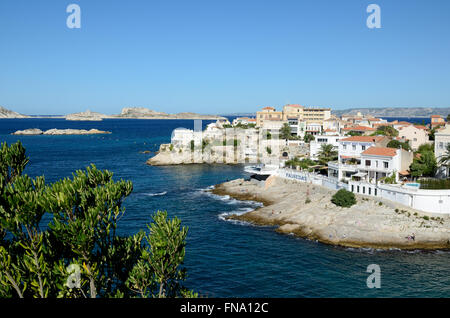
{"x": 222, "y": 56}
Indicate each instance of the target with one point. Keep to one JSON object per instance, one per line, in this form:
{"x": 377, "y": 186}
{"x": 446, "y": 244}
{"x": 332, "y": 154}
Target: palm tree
{"x": 285, "y": 131}
{"x": 444, "y": 160}
{"x": 327, "y": 153}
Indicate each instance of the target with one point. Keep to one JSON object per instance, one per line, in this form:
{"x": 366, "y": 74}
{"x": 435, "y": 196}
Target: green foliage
{"x": 171, "y": 147}
{"x": 308, "y": 138}
{"x": 435, "y": 184}
{"x": 205, "y": 143}
{"x": 354, "y": 133}
{"x": 426, "y": 147}
{"x": 389, "y": 179}
{"x": 386, "y": 131}
{"x": 192, "y": 145}
{"x": 344, "y": 198}
{"x": 79, "y": 238}
{"x": 285, "y": 131}
{"x": 327, "y": 153}
{"x": 241, "y": 125}
{"x": 269, "y": 150}
{"x": 424, "y": 165}
{"x": 399, "y": 145}
{"x": 303, "y": 163}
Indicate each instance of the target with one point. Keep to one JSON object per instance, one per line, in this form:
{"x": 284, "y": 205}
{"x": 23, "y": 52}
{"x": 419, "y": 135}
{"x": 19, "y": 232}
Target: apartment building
{"x": 441, "y": 140}
{"x": 316, "y": 144}
{"x": 416, "y": 135}
{"x": 436, "y": 121}
{"x": 268, "y": 114}
{"x": 349, "y": 157}
{"x": 379, "y": 162}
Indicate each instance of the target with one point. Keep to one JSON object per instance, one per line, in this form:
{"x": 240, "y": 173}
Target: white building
{"x": 244, "y": 121}
{"x": 316, "y": 144}
{"x": 441, "y": 140}
{"x": 314, "y": 128}
{"x": 380, "y": 162}
{"x": 349, "y": 157}
{"x": 298, "y": 127}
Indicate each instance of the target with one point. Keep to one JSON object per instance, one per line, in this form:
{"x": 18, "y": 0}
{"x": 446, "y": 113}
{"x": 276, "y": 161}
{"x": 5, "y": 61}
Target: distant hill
{"x": 396, "y": 111}
{"x": 6, "y": 113}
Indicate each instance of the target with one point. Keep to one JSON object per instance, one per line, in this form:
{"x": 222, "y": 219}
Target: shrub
{"x": 344, "y": 198}
{"x": 61, "y": 239}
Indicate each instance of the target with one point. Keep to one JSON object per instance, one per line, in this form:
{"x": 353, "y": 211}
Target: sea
{"x": 223, "y": 258}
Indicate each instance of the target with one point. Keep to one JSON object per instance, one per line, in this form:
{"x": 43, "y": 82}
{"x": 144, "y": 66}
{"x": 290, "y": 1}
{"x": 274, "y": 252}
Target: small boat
{"x": 261, "y": 169}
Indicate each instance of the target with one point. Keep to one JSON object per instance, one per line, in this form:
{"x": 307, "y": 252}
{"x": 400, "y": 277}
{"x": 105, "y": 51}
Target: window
{"x": 353, "y": 188}
{"x": 364, "y": 190}
{"x": 363, "y": 148}
{"x": 441, "y": 145}
{"x": 345, "y": 147}
{"x": 367, "y": 163}
{"x": 370, "y": 190}
{"x": 376, "y": 163}
{"x": 375, "y": 191}
{"x": 357, "y": 189}
{"x": 386, "y": 164}
{"x": 354, "y": 147}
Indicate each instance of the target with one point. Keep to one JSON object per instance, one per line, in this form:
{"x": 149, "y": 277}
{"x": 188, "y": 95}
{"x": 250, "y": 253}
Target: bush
{"x": 61, "y": 239}
{"x": 344, "y": 198}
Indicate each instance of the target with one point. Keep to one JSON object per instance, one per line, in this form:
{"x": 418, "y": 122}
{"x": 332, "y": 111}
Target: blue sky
{"x": 222, "y": 56}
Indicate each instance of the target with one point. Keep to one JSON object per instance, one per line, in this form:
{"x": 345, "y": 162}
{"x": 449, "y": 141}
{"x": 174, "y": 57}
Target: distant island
{"x": 126, "y": 113}
{"x": 54, "y": 131}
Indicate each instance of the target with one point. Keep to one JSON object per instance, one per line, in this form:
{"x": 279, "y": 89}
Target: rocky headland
{"x": 36, "y": 131}
{"x": 306, "y": 210}
{"x": 6, "y": 113}
{"x": 169, "y": 155}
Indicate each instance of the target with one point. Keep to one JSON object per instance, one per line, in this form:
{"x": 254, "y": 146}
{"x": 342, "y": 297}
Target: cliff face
{"x": 6, "y": 113}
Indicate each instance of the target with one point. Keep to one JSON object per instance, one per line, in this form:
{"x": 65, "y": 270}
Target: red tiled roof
{"x": 436, "y": 116}
{"x": 268, "y": 107}
{"x": 364, "y": 138}
{"x": 359, "y": 128}
{"x": 380, "y": 151}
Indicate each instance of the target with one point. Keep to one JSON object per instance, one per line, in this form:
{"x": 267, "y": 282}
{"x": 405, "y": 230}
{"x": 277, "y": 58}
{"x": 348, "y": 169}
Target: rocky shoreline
{"x": 305, "y": 210}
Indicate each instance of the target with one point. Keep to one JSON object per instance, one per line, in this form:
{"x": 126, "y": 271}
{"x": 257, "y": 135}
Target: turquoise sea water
{"x": 224, "y": 259}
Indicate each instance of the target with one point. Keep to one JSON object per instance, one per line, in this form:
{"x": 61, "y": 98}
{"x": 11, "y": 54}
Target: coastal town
{"x": 404, "y": 162}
